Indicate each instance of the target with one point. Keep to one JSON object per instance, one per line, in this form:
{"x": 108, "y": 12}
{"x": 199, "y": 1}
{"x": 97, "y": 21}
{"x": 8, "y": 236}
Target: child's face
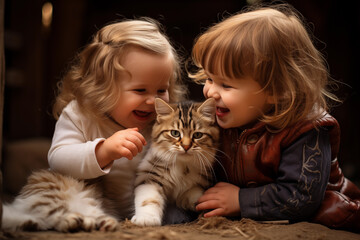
{"x": 149, "y": 78}
{"x": 238, "y": 101}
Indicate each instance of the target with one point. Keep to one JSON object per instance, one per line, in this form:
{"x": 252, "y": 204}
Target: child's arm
{"x": 73, "y": 149}
{"x": 299, "y": 188}
{"x": 71, "y": 153}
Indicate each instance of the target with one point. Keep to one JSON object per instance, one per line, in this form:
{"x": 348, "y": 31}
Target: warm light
{"x": 47, "y": 12}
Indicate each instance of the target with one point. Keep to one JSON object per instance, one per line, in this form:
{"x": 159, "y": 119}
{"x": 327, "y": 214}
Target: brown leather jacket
{"x": 256, "y": 155}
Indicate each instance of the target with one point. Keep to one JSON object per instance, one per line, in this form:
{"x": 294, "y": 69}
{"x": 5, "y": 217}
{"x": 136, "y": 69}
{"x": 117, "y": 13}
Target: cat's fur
{"x": 51, "y": 201}
{"x": 178, "y": 167}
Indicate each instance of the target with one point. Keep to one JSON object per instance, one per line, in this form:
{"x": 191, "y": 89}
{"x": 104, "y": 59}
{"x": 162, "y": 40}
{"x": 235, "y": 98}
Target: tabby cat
{"x": 51, "y": 201}
{"x": 178, "y": 166}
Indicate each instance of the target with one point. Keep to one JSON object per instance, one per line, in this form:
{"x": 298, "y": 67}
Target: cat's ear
{"x": 162, "y": 108}
{"x": 208, "y": 109}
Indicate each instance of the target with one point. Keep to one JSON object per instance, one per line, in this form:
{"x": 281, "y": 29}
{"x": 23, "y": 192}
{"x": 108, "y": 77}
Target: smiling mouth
{"x": 142, "y": 114}
{"x": 220, "y": 112}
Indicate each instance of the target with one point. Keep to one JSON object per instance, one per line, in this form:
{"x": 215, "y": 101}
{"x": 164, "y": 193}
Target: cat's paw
{"x": 72, "y": 222}
{"x": 88, "y": 224}
{"x": 30, "y": 225}
{"x": 189, "y": 200}
{"x": 192, "y": 202}
{"x": 146, "y": 220}
{"x": 106, "y": 224}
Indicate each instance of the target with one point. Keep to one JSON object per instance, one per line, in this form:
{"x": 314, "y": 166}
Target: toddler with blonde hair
{"x": 105, "y": 107}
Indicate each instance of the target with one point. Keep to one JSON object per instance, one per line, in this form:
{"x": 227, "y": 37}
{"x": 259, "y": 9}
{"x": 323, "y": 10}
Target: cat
{"x": 178, "y": 166}
{"x": 52, "y": 201}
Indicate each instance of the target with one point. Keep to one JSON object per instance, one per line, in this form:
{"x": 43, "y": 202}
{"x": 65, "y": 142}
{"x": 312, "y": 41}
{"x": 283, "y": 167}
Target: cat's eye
{"x": 197, "y": 135}
{"x": 175, "y": 133}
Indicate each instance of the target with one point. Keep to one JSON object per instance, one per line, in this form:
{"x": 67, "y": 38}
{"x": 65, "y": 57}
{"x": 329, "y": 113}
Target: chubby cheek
{"x": 165, "y": 97}
{"x": 205, "y": 90}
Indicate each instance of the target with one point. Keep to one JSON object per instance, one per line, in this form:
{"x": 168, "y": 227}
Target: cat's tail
{"x": 13, "y": 219}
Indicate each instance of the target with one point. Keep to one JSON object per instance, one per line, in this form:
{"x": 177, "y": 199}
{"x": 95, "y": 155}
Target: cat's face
{"x": 186, "y": 130}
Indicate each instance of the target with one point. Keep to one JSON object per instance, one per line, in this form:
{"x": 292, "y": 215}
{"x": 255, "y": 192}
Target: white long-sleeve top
{"x": 72, "y": 151}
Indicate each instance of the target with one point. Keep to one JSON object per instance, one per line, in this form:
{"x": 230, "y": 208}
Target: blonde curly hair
{"x": 92, "y": 79}
{"x": 272, "y": 45}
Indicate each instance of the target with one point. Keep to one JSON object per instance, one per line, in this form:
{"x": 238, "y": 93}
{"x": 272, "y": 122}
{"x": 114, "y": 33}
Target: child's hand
{"x": 125, "y": 143}
{"x": 223, "y": 198}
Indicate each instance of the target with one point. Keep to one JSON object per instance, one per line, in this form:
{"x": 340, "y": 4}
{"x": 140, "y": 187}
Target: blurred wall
{"x": 37, "y": 55}
{"x": 2, "y": 85}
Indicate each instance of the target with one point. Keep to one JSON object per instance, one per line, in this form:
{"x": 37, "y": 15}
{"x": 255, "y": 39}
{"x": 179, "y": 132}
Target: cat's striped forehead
{"x": 185, "y": 118}
{"x": 185, "y": 112}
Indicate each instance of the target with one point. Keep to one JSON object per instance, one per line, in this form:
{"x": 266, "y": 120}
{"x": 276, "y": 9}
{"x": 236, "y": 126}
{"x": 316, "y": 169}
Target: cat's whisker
{"x": 218, "y": 161}
{"x": 165, "y": 156}
{"x": 174, "y": 163}
{"x": 197, "y": 155}
{"x": 203, "y": 163}
{"x": 222, "y": 167}
{"x": 207, "y": 162}
{"x": 156, "y": 164}
{"x": 222, "y": 152}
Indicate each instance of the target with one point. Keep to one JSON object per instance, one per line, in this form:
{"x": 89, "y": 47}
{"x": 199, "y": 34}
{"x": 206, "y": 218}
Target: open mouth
{"x": 220, "y": 112}
{"x": 142, "y": 115}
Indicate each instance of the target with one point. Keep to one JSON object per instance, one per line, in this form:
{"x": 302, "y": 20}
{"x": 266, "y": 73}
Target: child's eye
{"x": 162, "y": 91}
{"x": 226, "y": 86}
{"x": 209, "y": 80}
{"x": 140, "y": 90}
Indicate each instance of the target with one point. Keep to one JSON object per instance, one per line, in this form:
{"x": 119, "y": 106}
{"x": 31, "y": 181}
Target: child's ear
{"x": 162, "y": 108}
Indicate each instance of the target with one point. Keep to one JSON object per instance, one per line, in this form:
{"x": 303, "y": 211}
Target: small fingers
{"x": 134, "y": 141}
{"x": 208, "y": 196}
{"x": 215, "y": 212}
{"x": 216, "y": 188}
{"x": 206, "y": 205}
{"x": 211, "y": 190}
{"x": 126, "y": 153}
{"x": 136, "y": 133}
{"x": 213, "y": 205}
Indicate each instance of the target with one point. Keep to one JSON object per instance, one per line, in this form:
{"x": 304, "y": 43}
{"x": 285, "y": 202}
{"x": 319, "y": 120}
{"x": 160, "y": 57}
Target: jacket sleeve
{"x": 70, "y": 152}
{"x": 301, "y": 183}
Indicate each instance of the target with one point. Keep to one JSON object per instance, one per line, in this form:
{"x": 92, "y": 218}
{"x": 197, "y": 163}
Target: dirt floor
{"x": 201, "y": 229}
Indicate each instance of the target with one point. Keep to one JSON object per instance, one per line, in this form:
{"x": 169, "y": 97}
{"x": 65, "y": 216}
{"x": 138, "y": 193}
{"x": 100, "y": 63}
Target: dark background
{"x": 37, "y": 56}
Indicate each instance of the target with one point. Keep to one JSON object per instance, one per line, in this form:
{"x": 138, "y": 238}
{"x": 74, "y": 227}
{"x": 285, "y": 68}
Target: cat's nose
{"x": 186, "y": 143}
{"x": 186, "y": 147}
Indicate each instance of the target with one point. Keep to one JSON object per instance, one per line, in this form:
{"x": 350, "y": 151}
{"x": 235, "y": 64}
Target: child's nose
{"x": 150, "y": 100}
{"x": 212, "y": 92}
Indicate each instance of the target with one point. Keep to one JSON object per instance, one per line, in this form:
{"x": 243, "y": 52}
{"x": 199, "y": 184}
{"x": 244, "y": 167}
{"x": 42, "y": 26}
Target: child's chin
{"x": 141, "y": 126}
{"x": 222, "y": 124}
